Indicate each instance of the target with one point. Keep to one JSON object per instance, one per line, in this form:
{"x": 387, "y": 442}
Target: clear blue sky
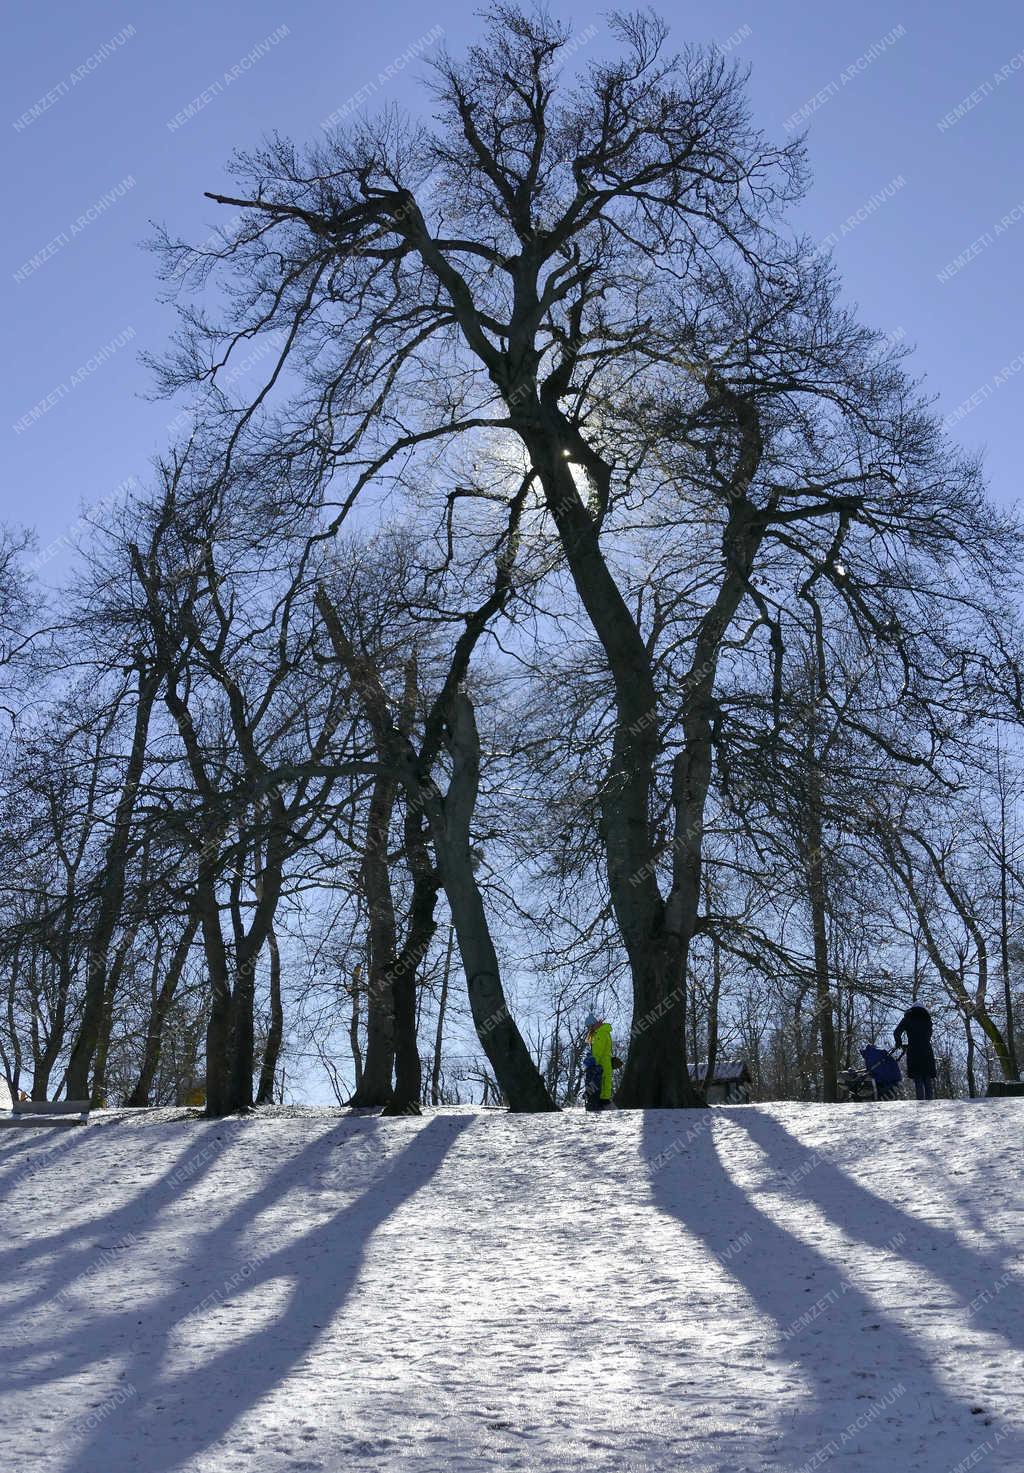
{"x": 90, "y": 90}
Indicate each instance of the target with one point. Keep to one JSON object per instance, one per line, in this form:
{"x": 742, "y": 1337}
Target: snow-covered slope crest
{"x": 744, "y": 1290}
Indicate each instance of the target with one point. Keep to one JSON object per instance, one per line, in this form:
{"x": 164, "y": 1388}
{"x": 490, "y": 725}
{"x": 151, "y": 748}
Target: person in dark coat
{"x": 915, "y": 1031}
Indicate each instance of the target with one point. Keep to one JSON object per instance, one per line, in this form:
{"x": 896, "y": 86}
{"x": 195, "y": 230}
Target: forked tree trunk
{"x": 243, "y": 1001}
{"x": 656, "y": 932}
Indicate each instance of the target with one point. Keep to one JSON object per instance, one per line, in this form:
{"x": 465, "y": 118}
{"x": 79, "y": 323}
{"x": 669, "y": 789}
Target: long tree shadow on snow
{"x": 879, "y": 1223}
{"x": 71, "y": 1252}
{"x": 175, "y": 1416}
{"x": 851, "y": 1353}
{"x": 19, "y": 1149}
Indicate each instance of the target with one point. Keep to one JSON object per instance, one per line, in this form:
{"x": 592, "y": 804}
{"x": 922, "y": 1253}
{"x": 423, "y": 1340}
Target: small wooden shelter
{"x": 729, "y": 1084}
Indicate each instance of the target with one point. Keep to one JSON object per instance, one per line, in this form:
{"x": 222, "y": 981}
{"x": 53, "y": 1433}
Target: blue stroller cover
{"x": 881, "y": 1065}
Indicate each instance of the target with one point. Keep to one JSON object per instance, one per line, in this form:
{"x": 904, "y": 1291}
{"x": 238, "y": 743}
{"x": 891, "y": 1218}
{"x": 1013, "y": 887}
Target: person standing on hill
{"x": 914, "y": 1030}
{"x": 597, "y": 1066}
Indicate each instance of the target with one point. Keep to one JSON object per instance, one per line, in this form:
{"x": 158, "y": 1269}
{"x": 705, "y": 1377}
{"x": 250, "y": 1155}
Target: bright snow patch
{"x": 745, "y": 1290}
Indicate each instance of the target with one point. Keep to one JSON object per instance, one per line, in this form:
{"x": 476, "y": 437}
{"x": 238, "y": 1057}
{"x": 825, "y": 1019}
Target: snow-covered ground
{"x": 744, "y": 1290}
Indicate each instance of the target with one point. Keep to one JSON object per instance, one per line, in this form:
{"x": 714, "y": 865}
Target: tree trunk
{"x": 99, "y": 1077}
{"x": 798, "y": 1043}
{"x": 516, "y": 1074}
{"x": 243, "y": 1030}
{"x": 435, "y": 1073}
{"x": 111, "y": 896}
{"x": 980, "y": 1010}
{"x": 656, "y": 934}
{"x": 655, "y": 1070}
{"x": 818, "y": 908}
{"x": 1004, "y": 940}
{"x": 236, "y": 1035}
{"x": 972, "y": 1084}
{"x": 991, "y": 1030}
{"x": 653, "y": 1076}
{"x": 218, "y": 1029}
{"x": 449, "y": 819}
{"x": 45, "y": 1056}
{"x": 405, "y": 1099}
{"x": 375, "y": 1085}
{"x": 158, "y": 1015}
{"x": 275, "y": 1036}
{"x": 716, "y": 992}
{"x": 952, "y": 979}
{"x": 13, "y": 1061}
{"x": 420, "y": 930}
{"x": 693, "y": 1051}
{"x": 353, "y": 1026}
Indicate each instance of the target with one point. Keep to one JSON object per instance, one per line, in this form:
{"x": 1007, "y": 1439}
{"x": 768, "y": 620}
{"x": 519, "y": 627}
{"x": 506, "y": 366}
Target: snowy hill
{"x": 737, "y": 1291}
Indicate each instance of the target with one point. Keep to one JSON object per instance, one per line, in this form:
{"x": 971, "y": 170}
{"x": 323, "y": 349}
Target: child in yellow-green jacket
{"x": 597, "y": 1064}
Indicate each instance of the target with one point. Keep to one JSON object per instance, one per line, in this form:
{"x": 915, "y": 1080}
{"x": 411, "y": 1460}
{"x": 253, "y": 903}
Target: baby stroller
{"x": 878, "y": 1080}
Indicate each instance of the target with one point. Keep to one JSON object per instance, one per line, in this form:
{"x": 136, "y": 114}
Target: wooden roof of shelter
{"x": 727, "y": 1071}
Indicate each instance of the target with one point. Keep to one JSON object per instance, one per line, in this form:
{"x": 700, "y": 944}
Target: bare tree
{"x": 618, "y": 302}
